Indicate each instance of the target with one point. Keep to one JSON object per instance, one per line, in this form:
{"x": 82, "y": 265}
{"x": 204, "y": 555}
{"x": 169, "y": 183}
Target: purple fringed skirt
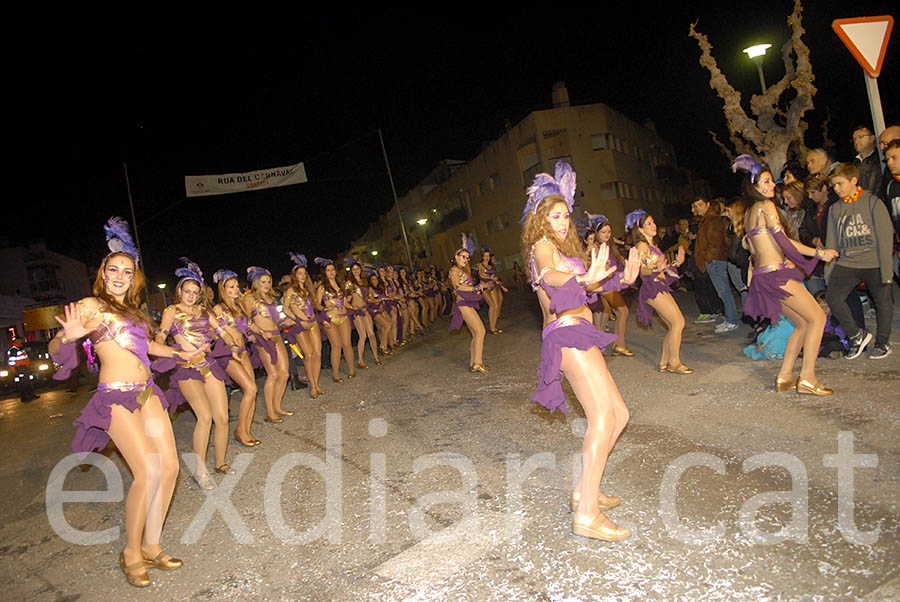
{"x": 765, "y": 294}
{"x": 569, "y": 331}
{"x": 263, "y": 345}
{"x": 221, "y": 355}
{"x": 650, "y": 288}
{"x": 93, "y": 423}
{"x": 463, "y": 299}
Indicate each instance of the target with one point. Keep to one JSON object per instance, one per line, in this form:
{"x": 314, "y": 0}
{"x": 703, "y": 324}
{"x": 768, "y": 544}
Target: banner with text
{"x": 242, "y": 182}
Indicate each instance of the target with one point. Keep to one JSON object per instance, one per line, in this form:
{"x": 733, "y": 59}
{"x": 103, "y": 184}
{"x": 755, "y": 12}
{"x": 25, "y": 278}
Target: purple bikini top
{"x": 227, "y": 319}
{"x": 266, "y": 310}
{"x": 193, "y": 328}
{"x": 122, "y": 331}
{"x": 307, "y": 311}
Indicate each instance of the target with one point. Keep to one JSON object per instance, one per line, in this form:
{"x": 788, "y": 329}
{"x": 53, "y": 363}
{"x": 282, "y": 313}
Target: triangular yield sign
{"x": 866, "y": 38}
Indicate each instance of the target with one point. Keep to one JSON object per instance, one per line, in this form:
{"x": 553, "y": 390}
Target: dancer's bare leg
{"x": 476, "y": 329}
{"x": 241, "y": 372}
{"x": 806, "y": 310}
{"x": 664, "y": 305}
{"x": 607, "y": 416}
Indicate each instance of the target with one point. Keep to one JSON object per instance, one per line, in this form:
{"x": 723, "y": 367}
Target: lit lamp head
{"x": 757, "y": 52}
{"x": 422, "y": 221}
{"x": 374, "y": 253}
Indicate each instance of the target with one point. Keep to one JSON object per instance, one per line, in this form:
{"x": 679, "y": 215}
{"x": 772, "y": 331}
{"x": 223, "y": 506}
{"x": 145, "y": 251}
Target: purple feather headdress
{"x": 118, "y": 237}
{"x": 595, "y": 219}
{"x": 223, "y": 275}
{"x": 368, "y": 268}
{"x": 468, "y": 244}
{"x": 349, "y": 261}
{"x": 748, "y": 164}
{"x": 321, "y": 261}
{"x": 632, "y": 219}
{"x": 298, "y": 259}
{"x": 582, "y": 227}
{"x": 255, "y": 273}
{"x": 561, "y": 183}
{"x": 190, "y": 271}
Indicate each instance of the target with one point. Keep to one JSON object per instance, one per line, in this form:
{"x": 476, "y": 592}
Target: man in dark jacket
{"x": 710, "y": 253}
{"x": 867, "y": 160}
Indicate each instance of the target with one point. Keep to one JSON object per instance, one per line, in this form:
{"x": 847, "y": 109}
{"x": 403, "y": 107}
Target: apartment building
{"x": 621, "y": 166}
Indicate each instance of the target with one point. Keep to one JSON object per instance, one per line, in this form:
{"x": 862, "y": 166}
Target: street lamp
{"x": 162, "y": 289}
{"x": 374, "y": 253}
{"x": 757, "y": 53}
{"x": 422, "y": 223}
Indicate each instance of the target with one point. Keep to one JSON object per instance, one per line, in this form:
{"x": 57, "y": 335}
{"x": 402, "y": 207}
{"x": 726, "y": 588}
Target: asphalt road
{"x": 440, "y": 484}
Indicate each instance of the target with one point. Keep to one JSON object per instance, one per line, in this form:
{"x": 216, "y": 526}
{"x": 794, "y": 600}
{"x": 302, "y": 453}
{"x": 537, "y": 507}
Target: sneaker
{"x": 858, "y": 344}
{"x": 725, "y": 327}
{"x": 704, "y": 319}
{"x": 880, "y": 352}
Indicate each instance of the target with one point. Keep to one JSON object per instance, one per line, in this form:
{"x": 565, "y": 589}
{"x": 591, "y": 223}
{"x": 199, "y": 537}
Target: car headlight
{"x": 43, "y": 367}
{"x": 4, "y": 373}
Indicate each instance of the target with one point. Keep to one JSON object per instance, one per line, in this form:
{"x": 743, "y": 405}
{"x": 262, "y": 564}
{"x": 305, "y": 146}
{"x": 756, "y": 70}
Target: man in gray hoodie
{"x": 859, "y": 228}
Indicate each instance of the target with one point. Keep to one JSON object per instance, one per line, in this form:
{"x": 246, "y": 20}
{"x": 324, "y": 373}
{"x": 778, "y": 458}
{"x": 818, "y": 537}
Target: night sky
{"x": 176, "y": 98}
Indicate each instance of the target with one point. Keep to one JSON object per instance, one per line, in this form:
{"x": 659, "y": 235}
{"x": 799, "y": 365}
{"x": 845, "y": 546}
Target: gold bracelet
{"x": 64, "y": 340}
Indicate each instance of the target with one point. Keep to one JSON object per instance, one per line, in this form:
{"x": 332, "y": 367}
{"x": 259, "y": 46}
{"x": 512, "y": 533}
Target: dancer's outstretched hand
{"x": 600, "y": 268}
{"x": 632, "y": 266}
{"x": 73, "y": 322}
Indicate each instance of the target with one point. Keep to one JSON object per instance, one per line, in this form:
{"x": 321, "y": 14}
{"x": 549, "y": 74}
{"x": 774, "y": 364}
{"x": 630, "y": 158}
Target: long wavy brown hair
{"x": 537, "y": 226}
{"x": 131, "y": 309}
{"x": 302, "y": 290}
{"x": 231, "y": 306}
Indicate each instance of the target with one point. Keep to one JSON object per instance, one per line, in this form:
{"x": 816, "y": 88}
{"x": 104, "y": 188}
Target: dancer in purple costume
{"x": 777, "y": 286}
{"x": 492, "y": 288}
{"x": 334, "y": 303}
{"x": 376, "y": 306}
{"x": 268, "y": 346}
{"x": 571, "y": 344}
{"x": 127, "y": 407}
{"x": 603, "y": 235}
{"x": 200, "y": 382}
{"x": 411, "y": 293}
{"x": 656, "y": 292}
{"x": 358, "y": 292}
{"x": 301, "y": 319}
{"x": 391, "y": 305}
{"x": 233, "y": 330}
{"x": 467, "y": 301}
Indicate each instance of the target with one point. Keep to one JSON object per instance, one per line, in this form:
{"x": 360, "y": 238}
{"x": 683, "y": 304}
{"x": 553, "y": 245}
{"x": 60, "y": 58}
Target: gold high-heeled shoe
{"x": 377, "y": 362}
{"x": 135, "y": 574}
{"x": 285, "y": 412}
{"x": 276, "y": 420}
{"x": 604, "y": 502}
{"x": 320, "y": 390}
{"x": 337, "y": 380}
{"x": 353, "y": 375}
{"x": 807, "y": 388}
{"x": 679, "y": 369}
{"x": 361, "y": 365}
{"x": 313, "y": 393}
{"x": 478, "y": 368}
{"x": 623, "y": 350}
{"x": 590, "y": 527}
{"x": 662, "y": 367}
{"x": 782, "y": 385}
{"x": 166, "y": 564}
{"x": 225, "y": 469}
{"x": 497, "y": 331}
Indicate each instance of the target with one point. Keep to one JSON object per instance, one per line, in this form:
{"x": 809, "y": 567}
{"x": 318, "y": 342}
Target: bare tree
{"x": 779, "y": 112}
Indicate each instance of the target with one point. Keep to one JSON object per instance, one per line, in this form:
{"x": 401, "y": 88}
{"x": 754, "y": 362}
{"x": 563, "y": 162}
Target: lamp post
{"x": 757, "y": 53}
{"x": 422, "y": 222}
{"x": 162, "y": 289}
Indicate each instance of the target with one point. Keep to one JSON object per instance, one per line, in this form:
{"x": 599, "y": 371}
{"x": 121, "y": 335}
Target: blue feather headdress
{"x": 299, "y": 260}
{"x": 633, "y": 218}
{"x": 368, "y": 268}
{"x": 190, "y": 271}
{"x": 468, "y": 244}
{"x": 544, "y": 185}
{"x": 323, "y": 262}
{"x": 118, "y": 238}
{"x": 486, "y": 249}
{"x": 748, "y": 164}
{"x": 255, "y": 273}
{"x": 595, "y": 219}
{"x": 223, "y": 275}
